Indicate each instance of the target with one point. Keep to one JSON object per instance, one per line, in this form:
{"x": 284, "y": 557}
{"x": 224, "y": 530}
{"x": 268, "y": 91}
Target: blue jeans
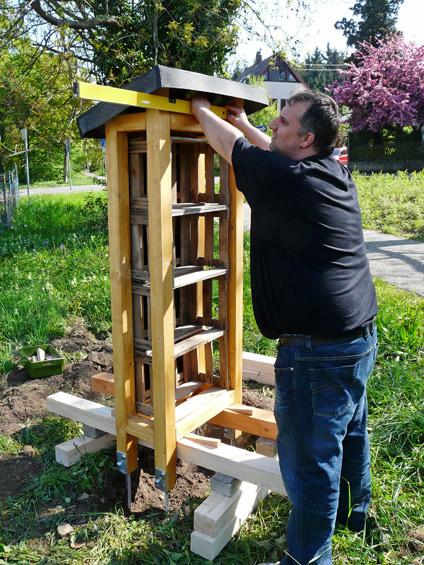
{"x": 323, "y": 446}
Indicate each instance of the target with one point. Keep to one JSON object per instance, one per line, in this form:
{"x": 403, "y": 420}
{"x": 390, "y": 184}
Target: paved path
{"x": 397, "y": 260}
{"x": 62, "y": 189}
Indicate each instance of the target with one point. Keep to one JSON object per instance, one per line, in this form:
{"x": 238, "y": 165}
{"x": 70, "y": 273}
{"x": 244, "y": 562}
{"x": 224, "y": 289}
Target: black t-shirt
{"x": 309, "y": 270}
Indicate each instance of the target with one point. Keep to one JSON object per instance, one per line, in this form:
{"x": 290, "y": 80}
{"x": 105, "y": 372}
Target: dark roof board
{"x": 219, "y": 91}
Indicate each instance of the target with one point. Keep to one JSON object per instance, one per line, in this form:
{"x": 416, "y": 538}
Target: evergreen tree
{"x": 372, "y": 20}
{"x": 318, "y": 70}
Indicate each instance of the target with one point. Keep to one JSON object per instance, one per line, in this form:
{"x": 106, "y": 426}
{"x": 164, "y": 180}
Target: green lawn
{"x": 54, "y": 269}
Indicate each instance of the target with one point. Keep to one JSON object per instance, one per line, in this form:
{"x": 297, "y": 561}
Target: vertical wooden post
{"x": 235, "y": 287}
{"x": 120, "y": 281}
{"x": 159, "y": 192}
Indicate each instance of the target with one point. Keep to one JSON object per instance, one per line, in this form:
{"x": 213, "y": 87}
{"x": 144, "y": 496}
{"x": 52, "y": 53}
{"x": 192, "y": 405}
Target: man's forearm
{"x": 258, "y": 138}
{"x": 220, "y": 134}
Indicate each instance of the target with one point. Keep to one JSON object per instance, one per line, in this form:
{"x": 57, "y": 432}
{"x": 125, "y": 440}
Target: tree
{"x": 386, "y": 87}
{"x": 318, "y": 70}
{"x": 377, "y": 19}
{"x": 119, "y": 39}
{"x": 36, "y": 94}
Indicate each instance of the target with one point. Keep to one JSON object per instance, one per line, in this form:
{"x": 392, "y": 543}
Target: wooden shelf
{"x": 183, "y": 276}
{"x": 187, "y": 338}
{"x": 139, "y": 210}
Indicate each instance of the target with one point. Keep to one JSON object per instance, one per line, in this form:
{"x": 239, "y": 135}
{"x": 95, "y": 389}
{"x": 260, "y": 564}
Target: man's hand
{"x": 238, "y": 118}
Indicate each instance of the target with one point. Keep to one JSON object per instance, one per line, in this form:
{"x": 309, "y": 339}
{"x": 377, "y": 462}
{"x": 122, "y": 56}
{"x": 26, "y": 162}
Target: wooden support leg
{"x": 120, "y": 280}
{"x": 159, "y": 190}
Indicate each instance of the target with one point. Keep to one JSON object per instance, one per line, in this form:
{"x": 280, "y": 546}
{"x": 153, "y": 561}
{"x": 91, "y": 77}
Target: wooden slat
{"x": 217, "y": 511}
{"x": 130, "y": 122}
{"x": 196, "y": 341}
{"x": 209, "y": 174}
{"x": 235, "y": 462}
{"x": 200, "y": 408}
{"x": 141, "y": 428}
{"x": 183, "y": 276}
{"x": 70, "y": 452}
{"x": 103, "y": 383}
{"x": 258, "y": 363}
{"x": 261, "y": 422}
{"x": 82, "y": 410}
{"x": 120, "y": 281}
{"x": 196, "y": 276}
{"x": 186, "y": 124}
{"x": 159, "y": 185}
{"x": 234, "y": 513}
{"x": 209, "y": 363}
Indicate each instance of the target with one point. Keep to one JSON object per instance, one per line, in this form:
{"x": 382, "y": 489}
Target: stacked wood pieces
{"x": 221, "y": 515}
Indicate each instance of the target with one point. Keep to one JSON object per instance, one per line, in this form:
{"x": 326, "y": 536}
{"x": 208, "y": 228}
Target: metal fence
{"x": 9, "y": 194}
{"x": 407, "y": 151}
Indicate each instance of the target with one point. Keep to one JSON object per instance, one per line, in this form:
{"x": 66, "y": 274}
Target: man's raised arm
{"x": 220, "y": 134}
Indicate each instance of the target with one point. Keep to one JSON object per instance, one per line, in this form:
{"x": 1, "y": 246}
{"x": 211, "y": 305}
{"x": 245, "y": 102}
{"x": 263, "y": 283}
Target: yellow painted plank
{"x": 138, "y": 99}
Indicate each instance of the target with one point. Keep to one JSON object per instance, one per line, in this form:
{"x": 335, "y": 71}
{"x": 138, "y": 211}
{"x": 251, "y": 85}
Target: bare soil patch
{"x": 23, "y": 401}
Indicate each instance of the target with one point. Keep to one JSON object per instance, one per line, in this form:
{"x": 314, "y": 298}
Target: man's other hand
{"x": 238, "y": 118}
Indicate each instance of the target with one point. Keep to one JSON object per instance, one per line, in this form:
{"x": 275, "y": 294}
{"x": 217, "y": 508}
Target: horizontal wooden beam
{"x": 258, "y": 368}
{"x": 70, "y": 452}
{"x": 239, "y": 463}
{"x": 199, "y": 409}
{"x": 260, "y": 422}
{"x": 96, "y": 415}
{"x": 244, "y": 465}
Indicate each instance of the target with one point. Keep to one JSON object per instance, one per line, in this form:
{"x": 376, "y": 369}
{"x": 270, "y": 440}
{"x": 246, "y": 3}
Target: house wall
{"x": 282, "y": 90}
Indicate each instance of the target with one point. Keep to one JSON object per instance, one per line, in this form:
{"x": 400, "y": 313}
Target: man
{"x": 312, "y": 290}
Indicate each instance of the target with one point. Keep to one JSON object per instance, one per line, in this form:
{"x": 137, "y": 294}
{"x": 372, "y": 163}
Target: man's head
{"x": 307, "y": 125}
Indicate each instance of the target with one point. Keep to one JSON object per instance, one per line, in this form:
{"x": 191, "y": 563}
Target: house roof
{"x": 183, "y": 84}
{"x": 259, "y": 69}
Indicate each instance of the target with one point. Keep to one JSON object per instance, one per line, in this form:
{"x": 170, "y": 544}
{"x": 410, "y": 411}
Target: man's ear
{"x": 307, "y": 140}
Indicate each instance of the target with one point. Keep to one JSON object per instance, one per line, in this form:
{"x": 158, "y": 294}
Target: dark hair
{"x": 322, "y": 118}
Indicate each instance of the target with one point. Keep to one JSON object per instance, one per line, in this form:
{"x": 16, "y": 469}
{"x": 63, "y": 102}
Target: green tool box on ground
{"x": 51, "y": 365}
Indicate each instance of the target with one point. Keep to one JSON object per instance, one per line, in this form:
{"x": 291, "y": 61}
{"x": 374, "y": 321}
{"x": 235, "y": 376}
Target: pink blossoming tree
{"x": 385, "y": 87}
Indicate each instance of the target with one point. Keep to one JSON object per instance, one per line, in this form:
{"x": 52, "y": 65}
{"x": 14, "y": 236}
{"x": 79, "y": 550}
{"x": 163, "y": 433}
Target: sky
{"x": 321, "y": 29}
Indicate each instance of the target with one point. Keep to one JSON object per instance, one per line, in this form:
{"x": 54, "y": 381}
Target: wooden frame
{"x": 164, "y": 216}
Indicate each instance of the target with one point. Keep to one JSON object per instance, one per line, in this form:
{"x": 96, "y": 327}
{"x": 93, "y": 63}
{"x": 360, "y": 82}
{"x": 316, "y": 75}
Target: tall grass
{"x": 72, "y": 280}
{"x": 53, "y": 269}
{"x": 393, "y": 204}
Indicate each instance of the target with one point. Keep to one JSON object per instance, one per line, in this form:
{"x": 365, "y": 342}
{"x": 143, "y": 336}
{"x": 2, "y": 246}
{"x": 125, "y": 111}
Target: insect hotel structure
{"x": 176, "y": 271}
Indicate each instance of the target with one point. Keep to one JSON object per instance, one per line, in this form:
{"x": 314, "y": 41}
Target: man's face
{"x": 286, "y": 139}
